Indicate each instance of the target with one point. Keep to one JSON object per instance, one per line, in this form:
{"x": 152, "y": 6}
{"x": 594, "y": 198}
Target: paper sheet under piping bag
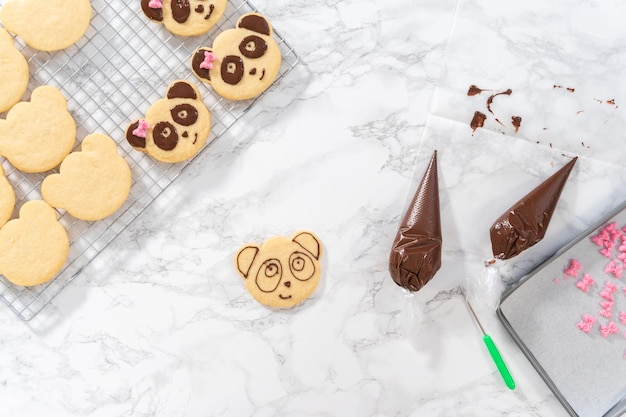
{"x": 523, "y": 225}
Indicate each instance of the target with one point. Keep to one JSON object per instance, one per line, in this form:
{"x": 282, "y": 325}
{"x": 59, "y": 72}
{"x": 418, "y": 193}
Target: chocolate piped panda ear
{"x": 309, "y": 242}
{"x": 136, "y": 141}
{"x": 182, "y": 89}
{"x": 244, "y": 259}
{"x": 152, "y": 12}
{"x": 200, "y": 65}
{"x": 256, "y": 23}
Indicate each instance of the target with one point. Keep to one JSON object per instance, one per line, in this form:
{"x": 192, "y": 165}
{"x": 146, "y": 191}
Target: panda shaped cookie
{"x": 185, "y": 17}
{"x": 175, "y": 128}
{"x": 282, "y": 272}
{"x": 13, "y": 72}
{"x": 47, "y": 25}
{"x": 243, "y": 61}
{"x": 33, "y": 247}
{"x": 37, "y": 134}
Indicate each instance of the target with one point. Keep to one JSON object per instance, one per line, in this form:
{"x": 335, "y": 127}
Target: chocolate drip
{"x": 473, "y": 90}
{"x": 478, "y": 120}
{"x": 526, "y": 222}
{"x": 517, "y": 122}
{"x": 493, "y": 96}
{"x": 416, "y": 251}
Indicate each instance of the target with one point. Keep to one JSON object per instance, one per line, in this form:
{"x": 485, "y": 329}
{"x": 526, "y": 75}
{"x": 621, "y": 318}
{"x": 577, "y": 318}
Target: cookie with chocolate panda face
{"x": 185, "y": 17}
{"x": 175, "y": 128}
{"x": 282, "y": 272}
{"x": 243, "y": 61}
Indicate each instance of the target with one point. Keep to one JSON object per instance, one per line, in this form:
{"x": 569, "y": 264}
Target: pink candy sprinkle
{"x": 607, "y": 304}
{"x": 573, "y": 269}
{"x": 585, "y": 282}
{"x": 610, "y": 328}
{"x": 142, "y": 129}
{"x": 155, "y": 4}
{"x": 614, "y": 267}
{"x": 586, "y": 323}
{"x": 209, "y": 57}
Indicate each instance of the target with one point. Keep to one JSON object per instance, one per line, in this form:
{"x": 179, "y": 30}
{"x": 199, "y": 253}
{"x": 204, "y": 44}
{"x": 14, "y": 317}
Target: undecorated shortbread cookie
{"x": 185, "y": 17}
{"x": 47, "y": 25}
{"x": 7, "y": 198}
{"x": 37, "y": 135}
{"x": 33, "y": 247}
{"x": 175, "y": 128}
{"x": 243, "y": 62}
{"x": 282, "y": 272}
{"x": 92, "y": 184}
{"x": 13, "y": 72}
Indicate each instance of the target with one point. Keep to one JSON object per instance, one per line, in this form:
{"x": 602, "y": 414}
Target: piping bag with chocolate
{"x": 415, "y": 255}
{"x": 517, "y": 229}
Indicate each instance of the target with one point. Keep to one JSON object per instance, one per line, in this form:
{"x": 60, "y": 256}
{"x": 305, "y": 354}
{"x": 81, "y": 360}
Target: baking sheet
{"x": 112, "y": 75}
{"x": 586, "y": 371}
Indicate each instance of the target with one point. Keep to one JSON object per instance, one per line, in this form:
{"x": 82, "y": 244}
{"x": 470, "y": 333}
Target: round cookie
{"x": 38, "y": 134}
{"x": 91, "y": 184}
{"x": 7, "y": 198}
{"x": 243, "y": 62}
{"x": 47, "y": 25}
{"x": 282, "y": 272}
{"x": 175, "y": 128}
{"x": 33, "y": 247}
{"x": 13, "y": 72}
{"x": 185, "y": 17}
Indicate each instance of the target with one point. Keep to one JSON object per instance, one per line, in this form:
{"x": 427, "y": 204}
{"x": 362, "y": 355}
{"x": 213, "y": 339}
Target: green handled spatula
{"x": 491, "y": 347}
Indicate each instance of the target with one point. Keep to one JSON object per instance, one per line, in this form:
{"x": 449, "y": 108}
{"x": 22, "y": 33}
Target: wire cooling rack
{"x": 111, "y": 76}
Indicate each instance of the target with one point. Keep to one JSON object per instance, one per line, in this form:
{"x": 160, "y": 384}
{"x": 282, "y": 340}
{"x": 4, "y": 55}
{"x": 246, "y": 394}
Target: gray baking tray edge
{"x": 586, "y": 372}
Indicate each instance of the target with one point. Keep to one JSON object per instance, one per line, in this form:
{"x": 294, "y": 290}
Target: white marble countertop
{"x": 160, "y": 324}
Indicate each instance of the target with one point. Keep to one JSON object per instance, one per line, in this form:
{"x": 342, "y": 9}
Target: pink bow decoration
{"x": 142, "y": 129}
{"x": 585, "y": 282}
{"x": 608, "y": 249}
{"x": 607, "y": 312}
{"x": 601, "y": 237}
{"x": 209, "y": 57}
{"x": 614, "y": 268}
{"x": 573, "y": 269}
{"x": 607, "y": 292}
{"x": 586, "y": 323}
{"x": 622, "y": 317}
{"x": 155, "y": 4}
{"x": 610, "y": 328}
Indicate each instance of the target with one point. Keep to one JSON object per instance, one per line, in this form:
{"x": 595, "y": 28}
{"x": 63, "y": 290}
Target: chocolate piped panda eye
{"x": 232, "y": 69}
{"x": 184, "y": 114}
{"x": 253, "y": 47}
{"x": 165, "y": 136}
{"x": 181, "y": 10}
